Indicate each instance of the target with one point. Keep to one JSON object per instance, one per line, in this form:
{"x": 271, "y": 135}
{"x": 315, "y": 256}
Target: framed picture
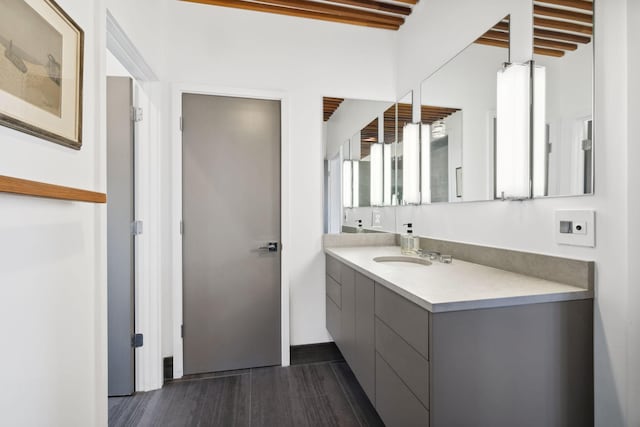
{"x": 41, "y": 63}
{"x": 459, "y": 182}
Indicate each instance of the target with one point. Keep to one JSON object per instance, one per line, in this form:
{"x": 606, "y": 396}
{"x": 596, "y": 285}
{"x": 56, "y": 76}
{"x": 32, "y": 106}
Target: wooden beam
{"x": 412, "y": 2}
{"x": 557, "y": 35}
{"x": 548, "y": 52}
{"x": 502, "y": 26}
{"x": 554, "y": 44}
{"x": 261, "y": 7}
{"x": 562, "y": 25}
{"x": 563, "y": 14}
{"x": 341, "y": 11}
{"x": 575, "y": 4}
{"x": 377, "y": 5}
{"x": 492, "y": 42}
{"x": 496, "y": 35}
{"x": 40, "y": 189}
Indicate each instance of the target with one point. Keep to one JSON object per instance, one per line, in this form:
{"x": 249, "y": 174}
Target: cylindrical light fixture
{"x": 377, "y": 174}
{"x": 425, "y": 163}
{"x": 513, "y": 140}
{"x": 347, "y": 184}
{"x": 411, "y": 164}
{"x": 540, "y": 144}
{"x": 387, "y": 174}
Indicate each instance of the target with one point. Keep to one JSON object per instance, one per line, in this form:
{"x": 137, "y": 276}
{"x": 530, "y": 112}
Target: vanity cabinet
{"x": 529, "y": 364}
{"x": 350, "y": 320}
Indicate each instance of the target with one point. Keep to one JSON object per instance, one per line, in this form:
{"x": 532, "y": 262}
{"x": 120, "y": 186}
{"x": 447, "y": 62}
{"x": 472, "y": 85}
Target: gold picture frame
{"x": 41, "y": 71}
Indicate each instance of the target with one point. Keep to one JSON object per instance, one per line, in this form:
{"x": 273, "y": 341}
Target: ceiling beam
{"x": 562, "y": 25}
{"x": 497, "y": 35}
{"x": 575, "y": 4}
{"x": 548, "y": 52}
{"x": 563, "y": 14}
{"x": 377, "y": 5}
{"x": 492, "y": 42}
{"x": 554, "y": 44}
{"x": 407, "y": 1}
{"x": 346, "y": 12}
{"x": 261, "y": 7}
{"x": 557, "y": 35}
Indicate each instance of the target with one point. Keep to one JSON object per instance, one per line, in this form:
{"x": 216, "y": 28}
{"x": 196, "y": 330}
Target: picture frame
{"x": 459, "y": 181}
{"x": 41, "y": 71}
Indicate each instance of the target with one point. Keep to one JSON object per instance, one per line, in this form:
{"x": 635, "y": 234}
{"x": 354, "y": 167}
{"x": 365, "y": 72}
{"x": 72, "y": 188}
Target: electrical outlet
{"x": 580, "y": 227}
{"x": 575, "y": 228}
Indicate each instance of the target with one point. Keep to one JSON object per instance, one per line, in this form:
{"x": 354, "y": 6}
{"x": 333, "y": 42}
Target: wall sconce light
{"x": 411, "y": 164}
{"x": 425, "y": 162}
{"x": 540, "y": 145}
{"x": 513, "y": 140}
{"x": 377, "y": 174}
{"x": 387, "y": 173}
{"x": 347, "y": 184}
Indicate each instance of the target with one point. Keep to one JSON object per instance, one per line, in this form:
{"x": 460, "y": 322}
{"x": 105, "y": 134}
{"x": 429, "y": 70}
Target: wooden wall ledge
{"x": 40, "y": 189}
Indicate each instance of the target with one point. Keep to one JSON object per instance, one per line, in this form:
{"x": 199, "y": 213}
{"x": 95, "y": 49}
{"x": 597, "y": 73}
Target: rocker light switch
{"x": 576, "y": 228}
{"x": 566, "y": 227}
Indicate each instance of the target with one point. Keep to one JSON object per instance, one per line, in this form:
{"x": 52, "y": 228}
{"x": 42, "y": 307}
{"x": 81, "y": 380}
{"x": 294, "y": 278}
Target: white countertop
{"x": 457, "y": 286}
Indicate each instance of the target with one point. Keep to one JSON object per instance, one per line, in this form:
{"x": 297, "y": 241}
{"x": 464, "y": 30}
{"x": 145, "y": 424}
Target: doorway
{"x": 231, "y": 237}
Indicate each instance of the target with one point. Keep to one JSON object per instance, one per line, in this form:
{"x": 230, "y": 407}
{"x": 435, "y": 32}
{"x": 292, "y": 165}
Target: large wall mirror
{"x": 360, "y": 140}
{"x": 458, "y": 115}
{"x": 563, "y": 135}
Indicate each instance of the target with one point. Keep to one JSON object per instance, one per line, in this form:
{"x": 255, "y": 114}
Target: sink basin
{"x": 408, "y": 259}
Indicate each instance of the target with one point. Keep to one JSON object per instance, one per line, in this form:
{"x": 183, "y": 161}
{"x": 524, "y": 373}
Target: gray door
{"x": 231, "y": 209}
{"x": 120, "y": 244}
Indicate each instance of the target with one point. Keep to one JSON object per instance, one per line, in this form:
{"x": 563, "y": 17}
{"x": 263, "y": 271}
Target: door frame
{"x": 178, "y": 89}
{"x": 147, "y": 194}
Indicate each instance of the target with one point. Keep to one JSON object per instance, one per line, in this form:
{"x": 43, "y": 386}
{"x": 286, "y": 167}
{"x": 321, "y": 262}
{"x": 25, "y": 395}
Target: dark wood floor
{"x": 308, "y": 394}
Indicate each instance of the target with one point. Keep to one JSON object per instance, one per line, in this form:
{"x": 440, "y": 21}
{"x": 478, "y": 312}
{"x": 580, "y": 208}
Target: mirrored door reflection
{"x": 563, "y": 98}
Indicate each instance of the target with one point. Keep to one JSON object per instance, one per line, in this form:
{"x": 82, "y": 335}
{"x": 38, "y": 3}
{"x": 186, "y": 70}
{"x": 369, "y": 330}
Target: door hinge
{"x": 586, "y": 144}
{"x": 181, "y": 124}
{"x": 137, "y": 340}
{"x": 181, "y": 227}
{"x": 136, "y": 114}
{"x": 136, "y": 228}
{"x": 181, "y": 331}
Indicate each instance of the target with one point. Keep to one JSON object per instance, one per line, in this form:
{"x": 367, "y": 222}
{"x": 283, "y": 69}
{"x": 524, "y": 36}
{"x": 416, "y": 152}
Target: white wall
{"x": 53, "y": 265}
{"x": 307, "y": 59}
{"x": 529, "y": 225}
{"x": 633, "y": 194}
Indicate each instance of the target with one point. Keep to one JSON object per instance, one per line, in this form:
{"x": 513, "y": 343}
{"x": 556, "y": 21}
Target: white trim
{"x": 126, "y": 52}
{"x": 178, "y": 89}
{"x": 147, "y": 194}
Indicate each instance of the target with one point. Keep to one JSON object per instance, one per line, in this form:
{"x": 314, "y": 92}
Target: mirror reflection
{"x": 563, "y": 128}
{"x": 360, "y": 136}
{"x": 404, "y": 126}
{"x": 458, "y": 116}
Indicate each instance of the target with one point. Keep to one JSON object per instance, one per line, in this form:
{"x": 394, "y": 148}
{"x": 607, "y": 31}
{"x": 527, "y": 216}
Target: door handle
{"x": 270, "y": 247}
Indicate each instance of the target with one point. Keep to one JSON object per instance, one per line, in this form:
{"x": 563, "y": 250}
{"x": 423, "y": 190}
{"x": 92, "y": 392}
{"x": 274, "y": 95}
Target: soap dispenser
{"x": 408, "y": 242}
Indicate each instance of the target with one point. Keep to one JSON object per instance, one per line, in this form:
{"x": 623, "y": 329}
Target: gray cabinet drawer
{"x": 333, "y": 319}
{"x": 407, "y": 319}
{"x": 347, "y": 275}
{"x": 334, "y": 291}
{"x": 395, "y": 403}
{"x": 365, "y": 360}
{"x": 347, "y": 342}
{"x": 407, "y": 363}
{"x": 333, "y": 268}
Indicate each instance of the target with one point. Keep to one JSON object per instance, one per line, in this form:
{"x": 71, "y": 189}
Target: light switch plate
{"x": 377, "y": 217}
{"x": 583, "y": 232}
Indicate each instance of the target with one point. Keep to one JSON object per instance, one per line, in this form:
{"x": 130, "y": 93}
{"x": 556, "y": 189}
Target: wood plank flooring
{"x": 312, "y": 394}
